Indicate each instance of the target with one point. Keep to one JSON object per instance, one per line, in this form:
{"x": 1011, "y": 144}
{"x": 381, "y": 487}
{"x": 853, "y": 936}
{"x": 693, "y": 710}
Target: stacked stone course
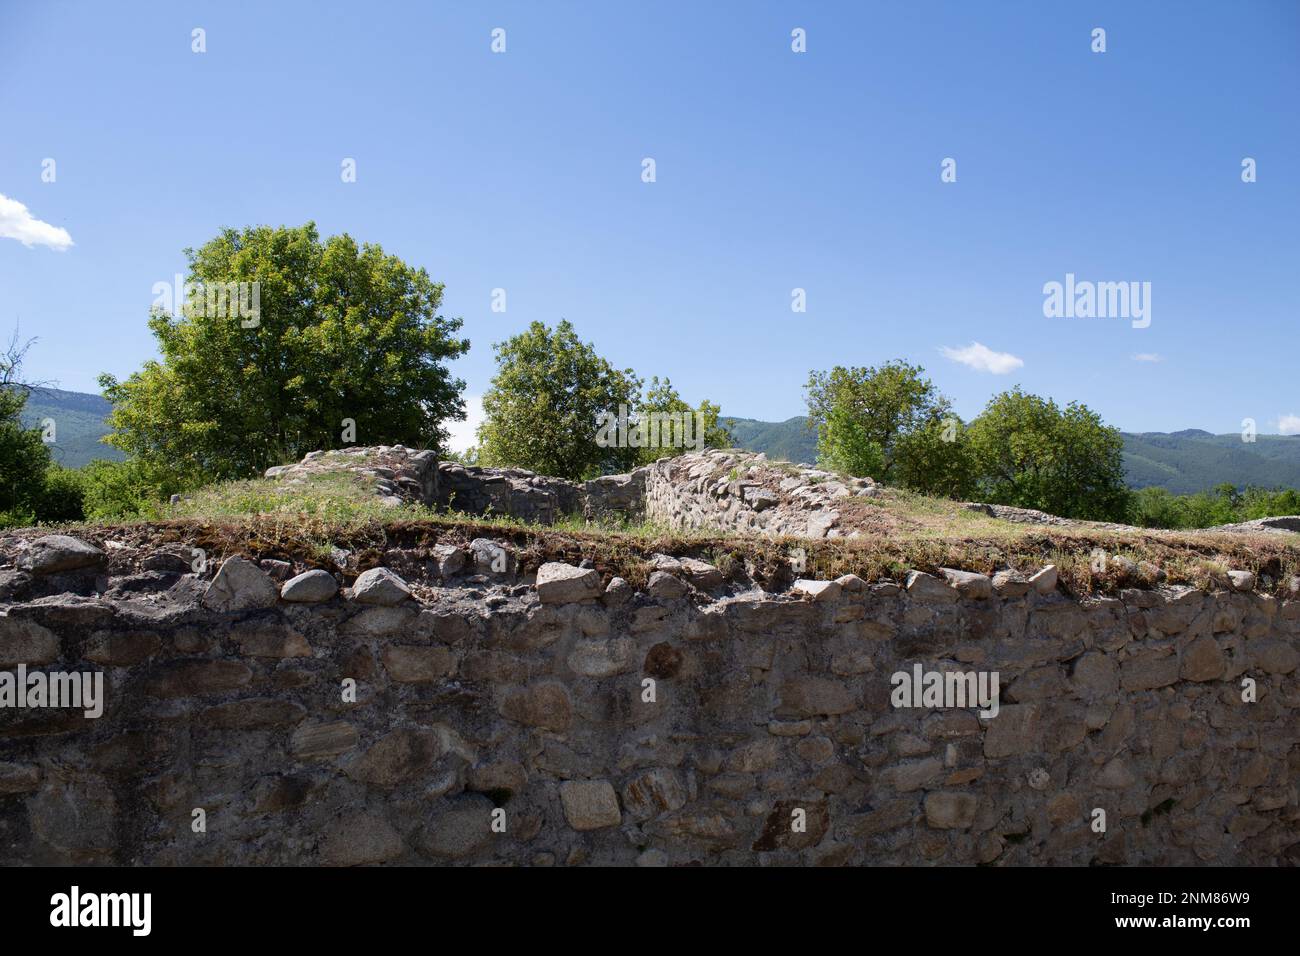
{"x": 554, "y": 717}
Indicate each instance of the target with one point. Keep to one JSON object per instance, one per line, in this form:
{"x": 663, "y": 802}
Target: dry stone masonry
{"x": 400, "y": 475}
{"x": 550, "y": 715}
{"x": 742, "y": 491}
{"x": 720, "y": 489}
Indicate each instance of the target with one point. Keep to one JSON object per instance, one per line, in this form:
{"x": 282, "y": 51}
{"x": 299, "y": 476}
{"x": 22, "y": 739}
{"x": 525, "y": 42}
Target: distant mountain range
{"x": 1195, "y": 460}
{"x": 1184, "y": 462}
{"x": 791, "y": 440}
{"x": 78, "y": 424}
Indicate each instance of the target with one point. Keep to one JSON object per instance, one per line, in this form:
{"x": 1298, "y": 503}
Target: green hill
{"x": 78, "y": 424}
{"x": 790, "y": 440}
{"x": 1195, "y": 460}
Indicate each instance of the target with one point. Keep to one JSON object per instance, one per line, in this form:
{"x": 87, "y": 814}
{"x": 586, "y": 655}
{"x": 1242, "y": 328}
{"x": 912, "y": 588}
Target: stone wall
{"x": 725, "y": 490}
{"x": 695, "y": 720}
{"x": 537, "y": 498}
{"x": 400, "y": 475}
{"x": 742, "y": 491}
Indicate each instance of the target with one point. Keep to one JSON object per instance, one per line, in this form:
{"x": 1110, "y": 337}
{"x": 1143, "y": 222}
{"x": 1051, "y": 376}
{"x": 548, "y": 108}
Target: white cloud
{"x": 1289, "y": 425}
{"x": 17, "y": 223}
{"x": 1148, "y": 357}
{"x": 462, "y": 435}
{"x": 984, "y": 359}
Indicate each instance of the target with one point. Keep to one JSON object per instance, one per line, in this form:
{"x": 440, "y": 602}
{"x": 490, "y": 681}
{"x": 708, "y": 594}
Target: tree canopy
{"x": 344, "y": 335}
{"x": 861, "y": 414}
{"x": 543, "y": 408}
{"x": 891, "y": 423}
{"x": 703, "y": 428}
{"x": 1027, "y": 451}
{"x": 558, "y": 408}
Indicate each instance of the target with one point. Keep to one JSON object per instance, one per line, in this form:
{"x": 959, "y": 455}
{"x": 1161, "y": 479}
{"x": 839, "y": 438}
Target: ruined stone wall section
{"x": 400, "y": 475}
{"x": 691, "y": 722}
{"x": 536, "y": 498}
{"x": 744, "y": 492}
{"x": 726, "y": 490}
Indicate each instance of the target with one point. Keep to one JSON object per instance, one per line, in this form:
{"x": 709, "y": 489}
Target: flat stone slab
{"x": 56, "y": 553}
{"x": 968, "y": 583}
{"x": 928, "y": 588}
{"x": 590, "y": 804}
{"x": 701, "y": 573}
{"x": 665, "y": 586}
{"x": 1242, "y": 580}
{"x": 559, "y": 583}
{"x": 819, "y": 590}
{"x": 1044, "y": 580}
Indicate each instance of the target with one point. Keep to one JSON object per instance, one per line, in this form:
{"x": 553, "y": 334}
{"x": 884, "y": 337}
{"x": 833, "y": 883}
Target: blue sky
{"x": 775, "y": 170}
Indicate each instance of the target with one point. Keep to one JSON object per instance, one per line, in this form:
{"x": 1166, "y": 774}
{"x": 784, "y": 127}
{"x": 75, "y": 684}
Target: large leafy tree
{"x": 544, "y": 407}
{"x": 1029, "y": 452}
{"x": 705, "y": 430}
{"x": 344, "y": 333}
{"x": 861, "y": 414}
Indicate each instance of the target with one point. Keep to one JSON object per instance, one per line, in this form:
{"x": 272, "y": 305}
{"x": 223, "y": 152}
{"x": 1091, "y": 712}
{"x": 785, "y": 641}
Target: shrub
{"x": 61, "y": 496}
{"x": 123, "y": 489}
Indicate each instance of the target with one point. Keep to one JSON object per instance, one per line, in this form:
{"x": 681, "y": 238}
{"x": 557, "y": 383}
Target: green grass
{"x": 332, "y": 497}
{"x": 898, "y": 531}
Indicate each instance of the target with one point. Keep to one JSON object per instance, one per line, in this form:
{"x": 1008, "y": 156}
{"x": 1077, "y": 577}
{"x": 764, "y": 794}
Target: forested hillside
{"x": 78, "y": 424}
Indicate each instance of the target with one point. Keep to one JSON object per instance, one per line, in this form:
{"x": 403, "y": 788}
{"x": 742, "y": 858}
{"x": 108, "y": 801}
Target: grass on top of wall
{"x": 306, "y": 520}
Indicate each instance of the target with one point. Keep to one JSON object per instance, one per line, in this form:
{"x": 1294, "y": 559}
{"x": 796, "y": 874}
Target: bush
{"x": 703, "y": 428}
{"x": 935, "y": 458}
{"x": 543, "y": 408}
{"x": 1155, "y": 508}
{"x": 123, "y": 489}
{"x": 17, "y": 518}
{"x": 1158, "y": 508}
{"x": 62, "y": 495}
{"x": 844, "y": 446}
{"x": 24, "y": 457}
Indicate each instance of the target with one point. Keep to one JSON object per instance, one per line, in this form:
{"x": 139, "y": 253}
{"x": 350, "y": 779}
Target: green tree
{"x": 934, "y": 458}
{"x": 843, "y": 445}
{"x": 24, "y": 457}
{"x": 1028, "y": 452}
{"x": 861, "y": 414}
{"x": 543, "y": 409}
{"x": 340, "y": 333}
{"x": 703, "y": 427}
{"x": 1266, "y": 503}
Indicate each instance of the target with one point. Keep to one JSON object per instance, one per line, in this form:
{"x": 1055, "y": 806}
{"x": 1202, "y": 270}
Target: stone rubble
{"x": 559, "y": 583}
